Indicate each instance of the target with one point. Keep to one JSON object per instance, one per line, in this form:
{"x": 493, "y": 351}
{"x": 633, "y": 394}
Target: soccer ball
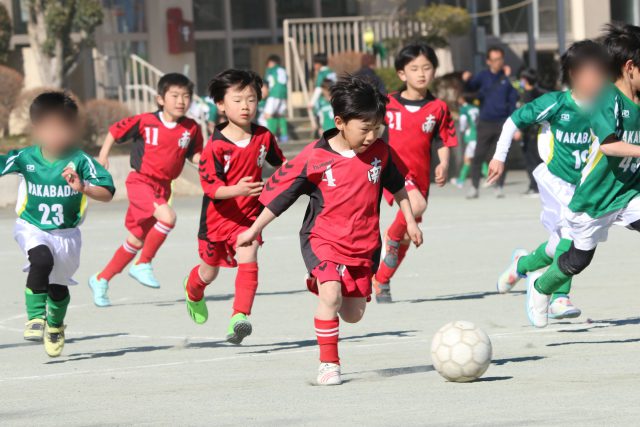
{"x": 461, "y": 351}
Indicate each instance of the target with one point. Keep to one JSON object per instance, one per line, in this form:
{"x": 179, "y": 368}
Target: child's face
{"x": 588, "y": 80}
{"x": 55, "y": 133}
{"x": 358, "y": 133}
{"x": 240, "y": 105}
{"x": 176, "y": 101}
{"x": 418, "y": 74}
{"x": 317, "y": 66}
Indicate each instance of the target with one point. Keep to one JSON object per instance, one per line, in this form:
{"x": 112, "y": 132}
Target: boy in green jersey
{"x": 322, "y": 72}
{"x": 610, "y": 181}
{"x": 275, "y": 105}
{"x": 467, "y": 124}
{"x": 563, "y": 143}
{"x": 324, "y": 110}
{"x": 56, "y": 180}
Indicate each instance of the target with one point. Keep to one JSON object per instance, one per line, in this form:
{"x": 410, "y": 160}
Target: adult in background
{"x": 368, "y": 72}
{"x": 529, "y": 138}
{"x": 497, "y": 101}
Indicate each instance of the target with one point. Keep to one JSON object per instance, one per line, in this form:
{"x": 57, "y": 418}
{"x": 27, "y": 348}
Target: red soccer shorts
{"x": 355, "y": 281}
{"x": 221, "y": 253}
{"x": 144, "y": 195}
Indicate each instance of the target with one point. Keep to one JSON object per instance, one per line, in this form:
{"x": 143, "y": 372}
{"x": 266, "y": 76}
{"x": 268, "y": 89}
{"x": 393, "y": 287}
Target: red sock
{"x": 195, "y": 284}
{"x": 327, "y": 332}
{"x": 398, "y": 228}
{"x": 386, "y": 272}
{"x": 246, "y": 287}
{"x": 123, "y": 256}
{"x": 155, "y": 238}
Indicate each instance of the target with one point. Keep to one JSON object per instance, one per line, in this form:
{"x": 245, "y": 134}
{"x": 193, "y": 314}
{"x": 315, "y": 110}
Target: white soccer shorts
{"x": 275, "y": 107}
{"x": 470, "y": 150}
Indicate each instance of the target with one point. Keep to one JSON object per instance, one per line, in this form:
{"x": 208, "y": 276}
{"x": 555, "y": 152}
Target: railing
{"x": 305, "y": 37}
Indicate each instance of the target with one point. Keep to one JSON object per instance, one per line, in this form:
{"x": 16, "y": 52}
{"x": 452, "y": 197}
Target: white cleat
{"x": 510, "y": 276}
{"x": 537, "y": 304}
{"x": 563, "y": 308}
{"x": 329, "y": 374}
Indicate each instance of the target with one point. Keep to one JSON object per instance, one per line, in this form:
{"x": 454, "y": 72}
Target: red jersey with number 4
{"x": 159, "y": 149}
{"x": 342, "y": 220}
{"x": 224, "y": 162}
{"x": 412, "y": 126}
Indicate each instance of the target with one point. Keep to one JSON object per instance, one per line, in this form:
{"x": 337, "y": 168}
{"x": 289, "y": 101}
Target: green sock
{"x": 535, "y": 260}
{"x": 464, "y": 172}
{"x": 36, "y": 304}
{"x": 551, "y": 280}
{"x": 485, "y": 169}
{"x": 282, "y": 125}
{"x": 272, "y": 125}
{"x": 565, "y": 288}
{"x": 57, "y": 311}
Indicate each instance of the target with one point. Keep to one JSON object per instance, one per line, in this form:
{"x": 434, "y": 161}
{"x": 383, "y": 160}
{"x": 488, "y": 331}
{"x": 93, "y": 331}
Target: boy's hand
{"x": 496, "y": 169}
{"x": 246, "y": 238}
{"x": 466, "y": 76}
{"x": 442, "y": 171}
{"x": 72, "y": 178}
{"x": 415, "y": 234}
{"x": 246, "y": 187}
{"x": 104, "y": 161}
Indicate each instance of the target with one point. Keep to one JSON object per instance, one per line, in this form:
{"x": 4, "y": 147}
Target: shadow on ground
{"x": 459, "y": 297}
{"x": 68, "y": 340}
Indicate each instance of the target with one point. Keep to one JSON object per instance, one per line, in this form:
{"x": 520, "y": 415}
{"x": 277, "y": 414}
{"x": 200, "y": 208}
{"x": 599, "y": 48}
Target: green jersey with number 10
{"x": 45, "y": 200}
{"x": 608, "y": 183}
{"x": 565, "y": 134}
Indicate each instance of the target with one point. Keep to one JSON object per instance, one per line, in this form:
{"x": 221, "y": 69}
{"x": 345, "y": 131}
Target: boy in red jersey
{"x": 344, "y": 173}
{"x": 161, "y": 142}
{"x": 414, "y": 118}
{"x": 231, "y": 177}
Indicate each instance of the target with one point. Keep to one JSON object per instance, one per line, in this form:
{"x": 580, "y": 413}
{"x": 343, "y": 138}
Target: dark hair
{"x": 219, "y": 85}
{"x": 579, "y": 54}
{"x": 320, "y": 58}
{"x": 530, "y": 75}
{"x": 327, "y": 83}
{"x": 412, "y": 51}
{"x": 274, "y": 58}
{"x": 469, "y": 98}
{"x": 354, "y": 98}
{"x": 623, "y": 44}
{"x": 174, "y": 79}
{"x": 495, "y": 49}
{"x": 54, "y": 102}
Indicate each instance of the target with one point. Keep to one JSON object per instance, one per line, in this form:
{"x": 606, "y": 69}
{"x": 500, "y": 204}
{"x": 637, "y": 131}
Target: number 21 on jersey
{"x": 395, "y": 120}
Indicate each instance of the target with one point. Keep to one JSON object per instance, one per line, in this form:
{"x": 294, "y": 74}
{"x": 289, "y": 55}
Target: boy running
{"x": 467, "y": 124}
{"x": 414, "y": 118}
{"x": 563, "y": 142}
{"x": 275, "y": 107}
{"x": 161, "y": 142}
{"x": 610, "y": 182}
{"x": 56, "y": 180}
{"x": 231, "y": 177}
{"x": 343, "y": 173}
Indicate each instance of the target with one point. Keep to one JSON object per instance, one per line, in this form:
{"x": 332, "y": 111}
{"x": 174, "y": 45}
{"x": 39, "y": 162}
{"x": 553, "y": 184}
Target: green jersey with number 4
{"x": 276, "y": 78}
{"x": 608, "y": 183}
{"x": 565, "y": 133}
{"x": 44, "y": 197}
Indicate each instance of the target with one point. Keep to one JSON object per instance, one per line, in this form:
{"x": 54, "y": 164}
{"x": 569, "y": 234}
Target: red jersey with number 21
{"x": 342, "y": 220}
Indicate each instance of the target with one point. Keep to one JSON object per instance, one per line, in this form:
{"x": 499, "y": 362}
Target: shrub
{"x": 390, "y": 78}
{"x": 346, "y": 62}
{"x": 10, "y": 87}
{"x": 102, "y": 113}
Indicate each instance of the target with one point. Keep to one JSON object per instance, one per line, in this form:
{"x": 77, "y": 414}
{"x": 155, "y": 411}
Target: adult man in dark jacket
{"x": 497, "y": 101}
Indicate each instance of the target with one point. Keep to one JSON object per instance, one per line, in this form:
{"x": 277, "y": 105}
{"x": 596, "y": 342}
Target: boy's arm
{"x": 214, "y": 181}
{"x": 119, "y": 132}
{"x": 9, "y": 162}
{"x": 91, "y": 179}
{"x": 604, "y": 125}
{"x": 195, "y": 148}
{"x": 447, "y": 133}
{"x": 274, "y": 153}
{"x": 414, "y": 232}
{"x": 620, "y": 149}
{"x": 247, "y": 237}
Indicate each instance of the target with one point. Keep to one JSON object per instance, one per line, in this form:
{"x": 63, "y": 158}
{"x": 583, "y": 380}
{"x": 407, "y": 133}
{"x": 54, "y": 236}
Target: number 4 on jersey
{"x": 328, "y": 177}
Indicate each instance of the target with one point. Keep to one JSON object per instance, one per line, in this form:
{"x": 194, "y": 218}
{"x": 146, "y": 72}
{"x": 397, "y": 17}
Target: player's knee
{"x": 331, "y": 298}
{"x": 574, "y": 261}
{"x": 208, "y": 273}
{"x": 166, "y": 215}
{"x": 58, "y": 292}
{"x": 353, "y": 315}
{"x": 41, "y": 259}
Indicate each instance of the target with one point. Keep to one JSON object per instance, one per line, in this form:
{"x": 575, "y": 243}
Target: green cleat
{"x": 239, "y": 328}
{"x": 197, "y": 309}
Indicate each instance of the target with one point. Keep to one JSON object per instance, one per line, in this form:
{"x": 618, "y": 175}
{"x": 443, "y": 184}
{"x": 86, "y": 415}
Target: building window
{"x": 20, "y": 16}
{"x": 548, "y": 16}
{"x": 242, "y": 52}
{"x": 626, "y": 11}
{"x": 485, "y": 19}
{"x": 128, "y": 15}
{"x": 249, "y": 14}
{"x": 513, "y": 21}
{"x": 293, "y": 9}
{"x": 331, "y": 8}
{"x": 210, "y": 60}
{"x": 208, "y": 15}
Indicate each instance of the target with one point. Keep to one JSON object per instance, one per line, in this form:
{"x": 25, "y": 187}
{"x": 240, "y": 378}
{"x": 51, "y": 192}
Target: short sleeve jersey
{"x": 608, "y": 183}
{"x": 565, "y": 133}
{"x": 276, "y": 78}
{"x": 470, "y": 113}
{"x": 412, "y": 127}
{"x": 224, "y": 162}
{"x": 159, "y": 149}
{"x": 45, "y": 200}
{"x": 324, "y": 111}
{"x": 325, "y": 73}
{"x": 342, "y": 219}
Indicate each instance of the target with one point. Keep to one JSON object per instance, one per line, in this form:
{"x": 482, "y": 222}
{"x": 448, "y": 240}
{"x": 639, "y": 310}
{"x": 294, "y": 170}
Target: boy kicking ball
{"x": 56, "y": 180}
{"x": 161, "y": 142}
{"x": 231, "y": 176}
{"x": 610, "y": 184}
{"x": 344, "y": 173}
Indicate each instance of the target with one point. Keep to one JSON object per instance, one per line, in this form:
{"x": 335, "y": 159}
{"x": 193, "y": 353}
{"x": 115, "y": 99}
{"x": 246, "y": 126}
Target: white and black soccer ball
{"x": 461, "y": 351}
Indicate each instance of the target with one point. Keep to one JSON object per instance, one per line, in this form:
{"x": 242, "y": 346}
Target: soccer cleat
{"x": 143, "y": 273}
{"x": 329, "y": 374}
{"x": 457, "y": 182}
{"x": 537, "y": 304}
{"x": 99, "y": 288}
{"x": 34, "y": 330}
{"x": 499, "y": 192}
{"x": 239, "y": 328}
{"x": 473, "y": 193}
{"x": 562, "y": 308}
{"x": 510, "y": 276}
{"x": 53, "y": 340}
{"x": 382, "y": 291}
{"x": 197, "y": 309}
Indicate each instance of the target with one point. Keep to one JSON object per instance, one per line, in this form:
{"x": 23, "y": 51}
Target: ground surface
{"x": 143, "y": 361}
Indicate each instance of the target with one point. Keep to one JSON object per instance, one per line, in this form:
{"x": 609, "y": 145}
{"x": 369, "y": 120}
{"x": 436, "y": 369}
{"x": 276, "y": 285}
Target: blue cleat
{"x": 99, "y": 288}
{"x": 143, "y": 273}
